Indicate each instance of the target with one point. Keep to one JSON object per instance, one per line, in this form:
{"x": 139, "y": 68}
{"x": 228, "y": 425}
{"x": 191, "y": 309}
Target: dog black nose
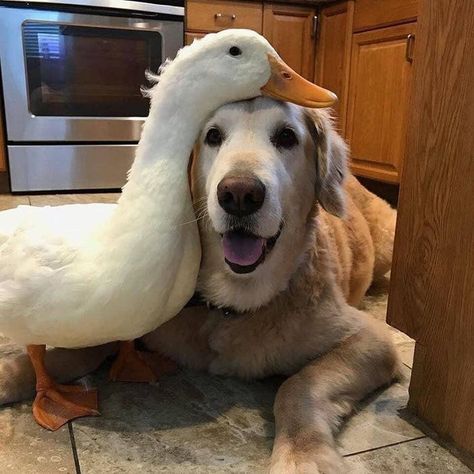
{"x": 240, "y": 195}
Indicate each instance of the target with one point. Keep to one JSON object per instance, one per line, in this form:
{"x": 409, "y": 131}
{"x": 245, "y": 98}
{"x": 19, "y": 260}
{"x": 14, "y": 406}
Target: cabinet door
{"x": 333, "y": 54}
{"x": 379, "y": 90}
{"x": 290, "y": 29}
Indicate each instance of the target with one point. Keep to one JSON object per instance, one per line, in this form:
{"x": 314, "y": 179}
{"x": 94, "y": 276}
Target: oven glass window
{"x": 85, "y": 71}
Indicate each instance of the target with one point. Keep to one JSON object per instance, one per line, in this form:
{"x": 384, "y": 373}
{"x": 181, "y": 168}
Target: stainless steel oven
{"x": 71, "y": 75}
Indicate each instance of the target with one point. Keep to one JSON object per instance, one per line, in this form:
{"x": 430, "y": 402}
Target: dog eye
{"x": 213, "y": 137}
{"x": 285, "y": 138}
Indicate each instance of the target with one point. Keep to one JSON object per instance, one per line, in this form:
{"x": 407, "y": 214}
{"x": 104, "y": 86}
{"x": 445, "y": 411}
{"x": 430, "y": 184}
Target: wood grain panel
{"x": 432, "y": 288}
{"x": 290, "y": 30}
{"x": 379, "y": 92}
{"x": 333, "y": 54}
{"x": 369, "y": 14}
{"x": 216, "y": 15}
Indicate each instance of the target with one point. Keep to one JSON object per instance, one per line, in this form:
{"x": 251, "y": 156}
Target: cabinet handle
{"x": 409, "y": 48}
{"x": 314, "y": 31}
{"x": 219, "y": 16}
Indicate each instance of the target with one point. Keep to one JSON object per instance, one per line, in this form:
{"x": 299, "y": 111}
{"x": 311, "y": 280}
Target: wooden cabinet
{"x": 379, "y": 90}
{"x": 333, "y": 54}
{"x": 364, "y": 54}
{"x": 432, "y": 282}
{"x": 291, "y": 29}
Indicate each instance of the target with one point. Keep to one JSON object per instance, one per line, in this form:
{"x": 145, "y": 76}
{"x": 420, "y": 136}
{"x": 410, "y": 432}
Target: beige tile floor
{"x": 194, "y": 423}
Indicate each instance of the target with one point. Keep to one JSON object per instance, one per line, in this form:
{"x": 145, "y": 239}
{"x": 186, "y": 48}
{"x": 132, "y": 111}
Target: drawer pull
{"x": 314, "y": 31}
{"x": 220, "y": 16}
{"x": 409, "y": 48}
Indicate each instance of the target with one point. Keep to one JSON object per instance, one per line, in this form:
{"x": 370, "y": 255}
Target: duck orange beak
{"x": 286, "y": 84}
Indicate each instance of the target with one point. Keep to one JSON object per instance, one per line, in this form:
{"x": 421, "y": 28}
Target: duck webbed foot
{"x": 137, "y": 366}
{"x": 57, "y": 404}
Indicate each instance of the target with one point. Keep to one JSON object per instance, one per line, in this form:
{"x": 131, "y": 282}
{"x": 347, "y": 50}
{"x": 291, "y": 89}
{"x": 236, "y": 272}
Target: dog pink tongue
{"x": 242, "y": 249}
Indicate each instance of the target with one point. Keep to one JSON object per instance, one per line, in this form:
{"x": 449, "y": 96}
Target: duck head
{"x": 241, "y": 64}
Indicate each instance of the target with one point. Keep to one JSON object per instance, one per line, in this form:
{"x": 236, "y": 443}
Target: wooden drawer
{"x": 369, "y": 14}
{"x": 204, "y": 15}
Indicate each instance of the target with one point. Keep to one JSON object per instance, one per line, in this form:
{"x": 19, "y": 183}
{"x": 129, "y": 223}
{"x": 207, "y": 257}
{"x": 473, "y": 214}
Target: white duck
{"x": 82, "y": 275}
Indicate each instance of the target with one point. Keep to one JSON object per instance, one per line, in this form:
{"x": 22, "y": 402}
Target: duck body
{"x": 61, "y": 285}
{"x": 75, "y": 276}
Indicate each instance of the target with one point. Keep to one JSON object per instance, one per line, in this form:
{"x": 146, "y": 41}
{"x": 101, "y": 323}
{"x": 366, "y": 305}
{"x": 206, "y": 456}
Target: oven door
{"x": 77, "y": 77}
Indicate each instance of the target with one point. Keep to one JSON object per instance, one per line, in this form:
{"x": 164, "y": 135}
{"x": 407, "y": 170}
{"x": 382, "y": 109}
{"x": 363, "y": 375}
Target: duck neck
{"x": 161, "y": 161}
{"x": 156, "y": 197}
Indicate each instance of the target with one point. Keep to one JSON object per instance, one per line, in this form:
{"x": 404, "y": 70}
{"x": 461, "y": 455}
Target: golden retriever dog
{"x": 291, "y": 242}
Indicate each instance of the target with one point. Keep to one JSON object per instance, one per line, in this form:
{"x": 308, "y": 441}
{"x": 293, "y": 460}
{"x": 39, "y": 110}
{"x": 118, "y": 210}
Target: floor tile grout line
{"x": 74, "y": 448}
{"x": 397, "y": 443}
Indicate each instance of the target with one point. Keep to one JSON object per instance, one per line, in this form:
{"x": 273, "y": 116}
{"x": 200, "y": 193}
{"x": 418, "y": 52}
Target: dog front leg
{"x": 310, "y": 405}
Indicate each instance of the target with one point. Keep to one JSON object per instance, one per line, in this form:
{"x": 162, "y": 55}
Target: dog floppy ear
{"x": 331, "y": 161}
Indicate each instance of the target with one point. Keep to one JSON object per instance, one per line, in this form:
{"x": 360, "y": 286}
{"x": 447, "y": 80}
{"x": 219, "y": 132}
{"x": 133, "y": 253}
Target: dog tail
{"x": 381, "y": 219}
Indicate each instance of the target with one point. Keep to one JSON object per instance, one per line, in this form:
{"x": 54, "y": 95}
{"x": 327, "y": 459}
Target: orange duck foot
{"x": 54, "y": 406}
{"x": 136, "y": 366}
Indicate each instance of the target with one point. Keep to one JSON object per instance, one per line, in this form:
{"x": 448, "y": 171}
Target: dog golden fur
{"x": 320, "y": 238}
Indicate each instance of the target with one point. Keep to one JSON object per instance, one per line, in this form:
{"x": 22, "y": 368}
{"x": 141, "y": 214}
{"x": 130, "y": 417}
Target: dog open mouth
{"x": 244, "y": 251}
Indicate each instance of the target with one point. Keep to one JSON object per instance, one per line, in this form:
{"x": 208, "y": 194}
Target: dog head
{"x": 260, "y": 167}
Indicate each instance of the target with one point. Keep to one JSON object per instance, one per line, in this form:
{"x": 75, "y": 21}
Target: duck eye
{"x": 285, "y": 138}
{"x": 213, "y": 137}
{"x": 235, "y": 51}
